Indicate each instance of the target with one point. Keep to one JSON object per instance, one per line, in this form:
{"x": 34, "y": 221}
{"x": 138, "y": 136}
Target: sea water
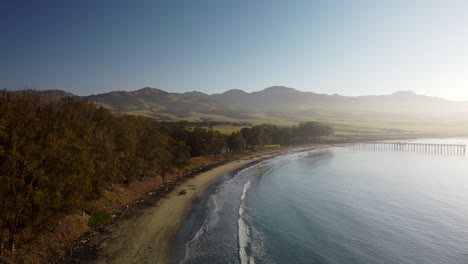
{"x": 337, "y": 205}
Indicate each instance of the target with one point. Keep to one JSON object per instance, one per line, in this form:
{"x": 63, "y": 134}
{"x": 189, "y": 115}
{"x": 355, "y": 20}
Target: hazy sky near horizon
{"x": 335, "y": 46}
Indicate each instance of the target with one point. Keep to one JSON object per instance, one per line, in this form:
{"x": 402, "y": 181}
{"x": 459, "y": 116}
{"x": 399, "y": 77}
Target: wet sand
{"x": 149, "y": 236}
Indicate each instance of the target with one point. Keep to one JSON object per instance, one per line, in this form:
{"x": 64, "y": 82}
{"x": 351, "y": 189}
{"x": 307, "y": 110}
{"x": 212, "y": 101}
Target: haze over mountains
{"x": 277, "y": 99}
{"x": 404, "y": 111}
{"x": 288, "y": 99}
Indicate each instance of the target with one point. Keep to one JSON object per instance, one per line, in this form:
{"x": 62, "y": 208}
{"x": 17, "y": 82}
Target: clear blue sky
{"x": 346, "y": 47}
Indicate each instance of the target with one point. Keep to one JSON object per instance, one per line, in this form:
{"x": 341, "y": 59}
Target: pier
{"x": 443, "y": 149}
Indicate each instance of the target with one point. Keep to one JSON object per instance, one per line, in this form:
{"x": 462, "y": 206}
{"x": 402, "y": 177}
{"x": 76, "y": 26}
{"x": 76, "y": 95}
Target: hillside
{"x": 276, "y": 99}
{"x": 283, "y": 99}
{"x": 160, "y": 104}
{"x": 404, "y": 113}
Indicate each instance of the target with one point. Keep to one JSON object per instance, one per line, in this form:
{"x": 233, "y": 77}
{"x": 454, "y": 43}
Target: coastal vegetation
{"x": 59, "y": 153}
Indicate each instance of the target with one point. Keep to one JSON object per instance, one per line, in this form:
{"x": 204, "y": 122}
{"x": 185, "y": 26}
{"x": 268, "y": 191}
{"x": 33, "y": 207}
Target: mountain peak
{"x": 278, "y": 89}
{"x": 149, "y": 90}
{"x": 195, "y": 94}
{"x": 234, "y": 92}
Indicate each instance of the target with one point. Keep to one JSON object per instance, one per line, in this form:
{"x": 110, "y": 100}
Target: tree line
{"x": 267, "y": 134}
{"x": 58, "y": 154}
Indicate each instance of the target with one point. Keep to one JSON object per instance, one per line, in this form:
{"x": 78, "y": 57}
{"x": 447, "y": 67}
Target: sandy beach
{"x": 149, "y": 236}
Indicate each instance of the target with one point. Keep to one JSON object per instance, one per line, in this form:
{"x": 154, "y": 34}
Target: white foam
{"x": 212, "y": 219}
{"x": 244, "y": 233}
{"x": 216, "y": 203}
{"x": 246, "y": 188}
{"x": 243, "y": 241}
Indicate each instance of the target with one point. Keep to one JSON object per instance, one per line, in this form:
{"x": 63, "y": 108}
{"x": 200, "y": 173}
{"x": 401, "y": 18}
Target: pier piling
{"x": 443, "y": 149}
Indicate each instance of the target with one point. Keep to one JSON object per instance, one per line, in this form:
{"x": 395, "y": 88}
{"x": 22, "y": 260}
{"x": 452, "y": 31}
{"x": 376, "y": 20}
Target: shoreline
{"x": 149, "y": 235}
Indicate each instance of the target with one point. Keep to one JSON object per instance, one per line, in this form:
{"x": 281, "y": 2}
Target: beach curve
{"x": 149, "y": 237}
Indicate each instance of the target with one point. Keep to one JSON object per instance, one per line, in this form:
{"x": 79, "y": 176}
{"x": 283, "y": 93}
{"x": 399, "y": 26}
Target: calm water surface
{"x": 341, "y": 205}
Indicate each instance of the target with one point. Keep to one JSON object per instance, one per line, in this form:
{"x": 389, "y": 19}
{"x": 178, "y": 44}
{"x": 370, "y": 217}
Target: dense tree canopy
{"x": 57, "y": 154}
{"x": 266, "y": 134}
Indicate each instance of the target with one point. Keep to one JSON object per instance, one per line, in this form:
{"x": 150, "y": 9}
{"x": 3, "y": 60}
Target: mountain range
{"x": 274, "y": 100}
{"x": 404, "y": 110}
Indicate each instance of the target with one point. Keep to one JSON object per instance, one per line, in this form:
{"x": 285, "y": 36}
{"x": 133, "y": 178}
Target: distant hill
{"x": 277, "y": 99}
{"x": 404, "y": 112}
{"x": 283, "y": 99}
{"x": 164, "y": 105}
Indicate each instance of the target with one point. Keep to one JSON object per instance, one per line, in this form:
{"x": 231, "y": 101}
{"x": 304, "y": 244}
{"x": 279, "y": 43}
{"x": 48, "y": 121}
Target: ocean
{"x": 335, "y": 205}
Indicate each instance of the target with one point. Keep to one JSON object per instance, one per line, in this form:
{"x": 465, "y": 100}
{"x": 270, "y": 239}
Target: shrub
{"x": 98, "y": 219}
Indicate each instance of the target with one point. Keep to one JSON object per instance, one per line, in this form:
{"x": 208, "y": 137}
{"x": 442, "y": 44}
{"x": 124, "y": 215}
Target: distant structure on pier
{"x": 443, "y": 149}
